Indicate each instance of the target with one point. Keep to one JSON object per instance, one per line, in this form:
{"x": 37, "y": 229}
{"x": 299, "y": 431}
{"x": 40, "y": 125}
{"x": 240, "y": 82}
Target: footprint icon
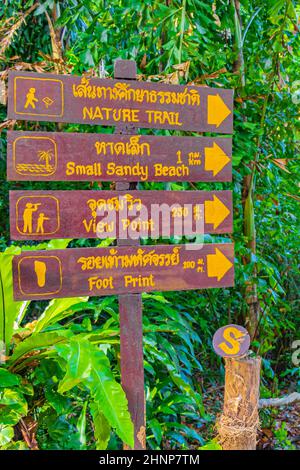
{"x": 40, "y": 271}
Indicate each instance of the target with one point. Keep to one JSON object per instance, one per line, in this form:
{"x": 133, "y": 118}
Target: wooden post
{"x": 237, "y": 426}
{"x": 130, "y": 308}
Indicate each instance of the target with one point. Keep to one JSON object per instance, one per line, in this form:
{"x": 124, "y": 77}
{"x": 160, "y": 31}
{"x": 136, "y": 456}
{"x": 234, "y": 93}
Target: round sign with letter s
{"x": 231, "y": 341}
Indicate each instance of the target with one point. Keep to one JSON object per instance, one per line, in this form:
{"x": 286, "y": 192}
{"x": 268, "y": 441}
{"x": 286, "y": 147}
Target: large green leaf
{"x": 11, "y": 312}
{"x": 58, "y": 309}
{"x": 110, "y": 397}
{"x": 78, "y": 367}
{"x": 7, "y": 379}
{"x": 60, "y": 403}
{"x": 94, "y": 371}
{"x": 12, "y": 406}
{"x": 101, "y": 427}
{"x": 16, "y": 445}
{"x": 211, "y": 445}
{"x": 58, "y": 243}
{"x": 39, "y": 341}
{"x": 81, "y": 426}
{"x": 6, "y": 434}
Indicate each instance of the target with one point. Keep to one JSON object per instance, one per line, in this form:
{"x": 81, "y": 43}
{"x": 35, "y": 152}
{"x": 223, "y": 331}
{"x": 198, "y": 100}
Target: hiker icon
{"x": 31, "y": 99}
{"x": 28, "y": 215}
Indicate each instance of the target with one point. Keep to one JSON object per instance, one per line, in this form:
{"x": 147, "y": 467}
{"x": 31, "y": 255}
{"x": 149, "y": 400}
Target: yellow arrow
{"x": 215, "y": 159}
{"x": 215, "y": 212}
{"x": 217, "y": 110}
{"x": 217, "y": 265}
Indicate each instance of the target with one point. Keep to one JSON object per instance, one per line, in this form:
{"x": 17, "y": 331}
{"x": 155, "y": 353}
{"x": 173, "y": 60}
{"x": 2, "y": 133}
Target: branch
{"x": 277, "y": 402}
{"x": 183, "y": 12}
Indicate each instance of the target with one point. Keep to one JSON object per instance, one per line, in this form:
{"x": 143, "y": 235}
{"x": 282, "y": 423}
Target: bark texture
{"x": 238, "y": 424}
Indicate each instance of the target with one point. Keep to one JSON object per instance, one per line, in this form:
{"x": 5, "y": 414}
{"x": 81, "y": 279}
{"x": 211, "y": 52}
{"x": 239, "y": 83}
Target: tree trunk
{"x": 237, "y": 426}
{"x": 252, "y": 314}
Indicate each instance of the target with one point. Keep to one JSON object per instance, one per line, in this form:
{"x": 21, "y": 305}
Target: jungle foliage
{"x": 59, "y": 374}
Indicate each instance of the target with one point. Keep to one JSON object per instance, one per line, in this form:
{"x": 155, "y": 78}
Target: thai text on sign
{"x": 120, "y": 270}
{"x": 41, "y": 215}
{"x": 79, "y": 156}
{"x": 68, "y": 98}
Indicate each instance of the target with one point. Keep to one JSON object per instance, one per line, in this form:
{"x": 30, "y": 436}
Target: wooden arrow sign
{"x": 121, "y": 270}
{"x": 62, "y": 156}
{"x": 68, "y": 98}
{"x": 39, "y": 215}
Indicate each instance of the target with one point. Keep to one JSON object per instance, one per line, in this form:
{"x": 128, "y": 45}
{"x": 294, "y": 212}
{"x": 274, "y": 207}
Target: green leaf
{"x": 87, "y": 364}
{"x": 158, "y": 297}
{"x": 77, "y": 356}
{"x": 101, "y": 427}
{"x": 13, "y": 406}
{"x": 11, "y": 312}
{"x": 110, "y": 397}
{"x": 81, "y": 426}
{"x": 211, "y": 445}
{"x": 41, "y": 8}
{"x": 39, "y": 341}
{"x": 27, "y": 388}
{"x": 7, "y": 379}
{"x": 58, "y": 244}
{"x": 6, "y": 434}
{"x": 15, "y": 445}
{"x": 156, "y": 428}
{"x": 60, "y": 403}
{"x": 56, "y": 310}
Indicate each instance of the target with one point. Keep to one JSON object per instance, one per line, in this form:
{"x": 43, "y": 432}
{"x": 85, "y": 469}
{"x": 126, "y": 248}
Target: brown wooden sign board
{"x": 69, "y": 98}
{"x": 40, "y": 215}
{"x": 63, "y": 156}
{"x": 121, "y": 270}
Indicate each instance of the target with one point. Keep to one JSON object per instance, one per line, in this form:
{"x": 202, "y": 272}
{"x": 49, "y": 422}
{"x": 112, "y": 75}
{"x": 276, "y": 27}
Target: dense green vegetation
{"x": 61, "y": 359}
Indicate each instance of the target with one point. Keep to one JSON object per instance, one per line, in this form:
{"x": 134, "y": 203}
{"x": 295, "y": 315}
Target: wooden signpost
{"x": 124, "y": 157}
{"x": 41, "y": 215}
{"x": 55, "y": 156}
{"x": 131, "y": 311}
